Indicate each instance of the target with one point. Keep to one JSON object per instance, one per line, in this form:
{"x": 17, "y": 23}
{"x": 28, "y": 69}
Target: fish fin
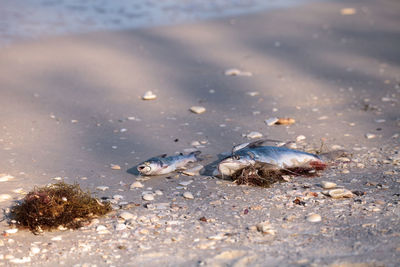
{"x": 196, "y": 154}
{"x": 161, "y": 156}
{"x": 332, "y": 155}
{"x": 254, "y": 144}
{"x": 266, "y": 165}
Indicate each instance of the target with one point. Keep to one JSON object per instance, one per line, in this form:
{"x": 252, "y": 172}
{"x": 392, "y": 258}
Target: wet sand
{"x": 71, "y": 107}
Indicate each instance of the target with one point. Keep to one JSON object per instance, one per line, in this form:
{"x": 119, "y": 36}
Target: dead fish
{"x": 162, "y": 164}
{"x": 276, "y": 157}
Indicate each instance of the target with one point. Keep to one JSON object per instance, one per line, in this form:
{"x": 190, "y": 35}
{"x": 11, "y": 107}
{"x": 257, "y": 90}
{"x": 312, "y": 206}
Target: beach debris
{"x": 188, "y": 195}
{"x": 149, "y": 96}
{"x": 148, "y": 196}
{"x": 5, "y": 177}
{"x": 197, "y": 109}
{"x": 102, "y": 188}
{"x": 162, "y": 164}
{"x": 300, "y": 138}
{"x": 282, "y": 159}
{"x": 328, "y": 185}
{"x": 370, "y": 135}
{"x": 126, "y": 215}
{"x": 314, "y": 218}
{"x": 254, "y": 135}
{"x": 348, "y": 11}
{"x": 279, "y": 121}
{"x": 254, "y": 93}
{"x": 258, "y": 174}
{"x": 193, "y": 171}
{"x": 265, "y": 228}
{"x": 338, "y": 193}
{"x": 11, "y": 231}
{"x": 115, "y": 167}
{"x": 45, "y": 208}
{"x": 4, "y": 197}
{"x": 136, "y": 184}
{"x": 237, "y": 72}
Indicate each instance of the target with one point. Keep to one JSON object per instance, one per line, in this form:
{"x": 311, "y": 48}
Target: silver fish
{"x": 277, "y": 157}
{"x": 162, "y": 164}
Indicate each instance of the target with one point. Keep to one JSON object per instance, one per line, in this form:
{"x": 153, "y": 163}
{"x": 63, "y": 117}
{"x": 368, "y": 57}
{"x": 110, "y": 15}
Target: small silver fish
{"x": 278, "y": 157}
{"x": 162, "y": 164}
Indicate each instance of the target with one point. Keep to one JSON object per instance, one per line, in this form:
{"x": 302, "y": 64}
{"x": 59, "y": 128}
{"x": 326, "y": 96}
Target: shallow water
{"x": 30, "y": 19}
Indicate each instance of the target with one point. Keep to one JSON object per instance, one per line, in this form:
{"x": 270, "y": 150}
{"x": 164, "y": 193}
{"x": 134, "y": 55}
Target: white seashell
{"x": 149, "y": 96}
{"x": 188, "y": 195}
{"x": 271, "y": 121}
{"x": 328, "y": 185}
{"x": 198, "y": 109}
{"x": 314, "y": 218}
{"x": 5, "y": 177}
{"x": 137, "y": 184}
{"x": 102, "y": 188}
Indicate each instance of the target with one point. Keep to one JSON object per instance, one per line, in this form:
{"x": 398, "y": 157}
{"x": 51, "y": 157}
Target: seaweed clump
{"x": 60, "y": 204}
{"x": 263, "y": 175}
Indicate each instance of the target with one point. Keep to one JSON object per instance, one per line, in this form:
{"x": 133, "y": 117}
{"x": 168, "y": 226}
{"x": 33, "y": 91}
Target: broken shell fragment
{"x": 285, "y": 121}
{"x": 149, "y": 96}
{"x": 254, "y": 135}
{"x": 328, "y": 185}
{"x": 237, "y": 72}
{"x": 339, "y": 193}
{"x": 314, "y": 218}
{"x": 198, "y": 109}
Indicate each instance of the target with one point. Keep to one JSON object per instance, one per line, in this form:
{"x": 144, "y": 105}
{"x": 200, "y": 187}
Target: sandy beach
{"x": 71, "y": 107}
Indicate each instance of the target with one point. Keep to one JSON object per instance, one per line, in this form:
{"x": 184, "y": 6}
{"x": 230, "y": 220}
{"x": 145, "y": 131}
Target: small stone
{"x": 148, "y": 197}
{"x": 11, "y": 231}
{"x": 101, "y": 229}
{"x": 370, "y": 135}
{"x": 5, "y": 177}
{"x": 198, "y": 109}
{"x": 102, "y": 188}
{"x": 314, "y": 218}
{"x": 328, "y": 185}
{"x": 188, "y": 195}
{"x": 271, "y": 121}
{"x": 115, "y": 167}
{"x": 254, "y": 135}
{"x": 300, "y": 138}
{"x": 339, "y": 193}
{"x": 185, "y": 183}
{"x": 149, "y": 96}
{"x": 126, "y": 215}
{"x": 136, "y": 184}
{"x": 158, "y": 192}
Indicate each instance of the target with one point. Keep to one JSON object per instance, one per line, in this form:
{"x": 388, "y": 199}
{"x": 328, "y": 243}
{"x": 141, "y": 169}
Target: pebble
{"x": 126, "y": 215}
{"x": 198, "y": 109}
{"x": 328, "y": 185}
{"x": 370, "y": 135}
{"x": 314, "y": 218}
{"x": 136, "y": 184}
{"x": 102, "y": 188}
{"x": 4, "y": 197}
{"x": 339, "y": 193}
{"x": 149, "y": 96}
{"x": 300, "y": 138}
{"x": 148, "y": 197}
{"x": 101, "y": 229}
{"x": 188, "y": 195}
{"x": 5, "y": 177}
{"x": 271, "y": 121}
{"x": 158, "y": 192}
{"x": 254, "y": 135}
